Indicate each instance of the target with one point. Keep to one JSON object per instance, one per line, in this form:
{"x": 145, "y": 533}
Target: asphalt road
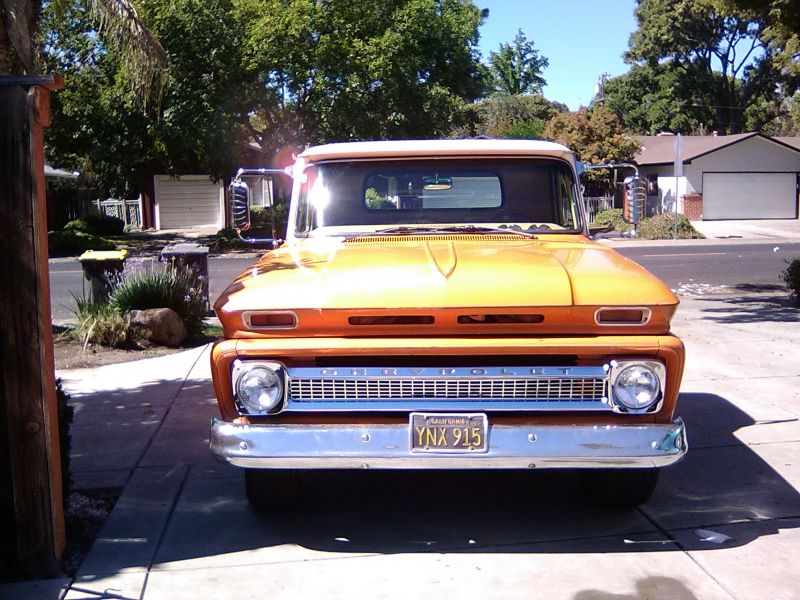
{"x": 708, "y": 268}
{"x": 690, "y": 269}
{"x": 66, "y": 278}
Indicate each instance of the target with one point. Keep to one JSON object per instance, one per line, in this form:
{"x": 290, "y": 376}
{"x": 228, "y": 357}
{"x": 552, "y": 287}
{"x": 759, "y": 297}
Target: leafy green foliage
{"x": 176, "y": 288}
{"x": 99, "y": 323}
{"x": 97, "y": 225}
{"x": 612, "y": 218}
{"x": 651, "y": 98}
{"x": 262, "y": 218}
{"x": 342, "y": 70}
{"x": 727, "y": 78}
{"x": 788, "y": 123}
{"x": 782, "y": 28}
{"x": 73, "y": 243}
{"x": 516, "y": 68}
{"x": 226, "y": 239}
{"x": 664, "y": 227}
{"x": 791, "y": 276}
{"x": 514, "y": 116}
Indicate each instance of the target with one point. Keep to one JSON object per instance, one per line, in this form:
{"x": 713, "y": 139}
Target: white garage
{"x": 188, "y": 201}
{"x": 749, "y": 195}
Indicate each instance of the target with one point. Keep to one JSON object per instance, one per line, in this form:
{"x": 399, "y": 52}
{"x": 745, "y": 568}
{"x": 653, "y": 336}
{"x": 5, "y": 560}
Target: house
{"x": 743, "y": 176}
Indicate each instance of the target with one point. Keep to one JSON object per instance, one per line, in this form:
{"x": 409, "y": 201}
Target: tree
{"x": 515, "y": 116}
{"x": 517, "y": 68}
{"x": 343, "y": 70}
{"x": 788, "y": 124}
{"x": 651, "y": 98}
{"x": 781, "y": 31}
{"x": 596, "y": 136}
{"x": 710, "y": 49}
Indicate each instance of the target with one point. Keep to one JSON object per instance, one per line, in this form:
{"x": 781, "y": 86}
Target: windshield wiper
{"x": 474, "y": 229}
{"x": 486, "y": 229}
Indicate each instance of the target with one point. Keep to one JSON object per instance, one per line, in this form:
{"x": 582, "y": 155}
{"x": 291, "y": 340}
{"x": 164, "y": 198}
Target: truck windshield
{"x": 340, "y": 197}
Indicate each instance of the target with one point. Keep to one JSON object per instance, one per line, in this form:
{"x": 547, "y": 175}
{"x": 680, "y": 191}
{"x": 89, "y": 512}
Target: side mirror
{"x": 635, "y": 196}
{"x": 240, "y": 205}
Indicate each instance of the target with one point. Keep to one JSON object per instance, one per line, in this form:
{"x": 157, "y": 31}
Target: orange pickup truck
{"x": 440, "y": 305}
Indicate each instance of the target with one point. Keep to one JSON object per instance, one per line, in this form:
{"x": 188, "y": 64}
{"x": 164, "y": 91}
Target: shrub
{"x": 663, "y": 227}
{"x": 226, "y": 239}
{"x": 100, "y": 324}
{"x": 175, "y": 288}
{"x": 612, "y": 218}
{"x": 261, "y": 218}
{"x": 791, "y": 276}
{"x": 74, "y": 243}
{"x": 97, "y": 225}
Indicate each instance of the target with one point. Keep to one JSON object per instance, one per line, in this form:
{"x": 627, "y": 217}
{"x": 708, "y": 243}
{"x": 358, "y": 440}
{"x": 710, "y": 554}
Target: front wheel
{"x": 620, "y": 488}
{"x": 271, "y": 489}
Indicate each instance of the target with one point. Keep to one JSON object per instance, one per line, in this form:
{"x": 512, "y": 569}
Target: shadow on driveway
{"x": 751, "y": 308}
{"x": 722, "y": 481}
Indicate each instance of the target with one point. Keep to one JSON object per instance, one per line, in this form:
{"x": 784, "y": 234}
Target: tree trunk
{"x": 29, "y": 445}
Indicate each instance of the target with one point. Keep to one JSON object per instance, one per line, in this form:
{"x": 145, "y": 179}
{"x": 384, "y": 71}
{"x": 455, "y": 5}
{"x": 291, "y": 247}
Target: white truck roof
{"x": 437, "y": 148}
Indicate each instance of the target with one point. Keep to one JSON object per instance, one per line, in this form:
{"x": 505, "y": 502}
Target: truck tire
{"x": 270, "y": 490}
{"x": 620, "y": 488}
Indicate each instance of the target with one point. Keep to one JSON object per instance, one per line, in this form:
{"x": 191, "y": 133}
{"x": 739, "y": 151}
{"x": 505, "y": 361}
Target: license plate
{"x": 438, "y": 432}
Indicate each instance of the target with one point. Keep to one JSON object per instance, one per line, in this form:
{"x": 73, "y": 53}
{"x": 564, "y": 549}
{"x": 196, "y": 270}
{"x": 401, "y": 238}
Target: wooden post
{"x": 28, "y": 409}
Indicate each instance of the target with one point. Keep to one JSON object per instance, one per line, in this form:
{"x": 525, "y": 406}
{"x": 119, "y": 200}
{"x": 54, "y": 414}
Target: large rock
{"x": 164, "y": 325}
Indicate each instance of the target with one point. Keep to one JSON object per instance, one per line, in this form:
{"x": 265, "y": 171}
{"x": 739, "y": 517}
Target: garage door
{"x": 191, "y": 201}
{"x": 749, "y": 195}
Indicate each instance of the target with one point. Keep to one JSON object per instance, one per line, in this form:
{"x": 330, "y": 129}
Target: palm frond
{"x": 123, "y": 29}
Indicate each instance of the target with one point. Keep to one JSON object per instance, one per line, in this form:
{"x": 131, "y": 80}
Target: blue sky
{"x": 580, "y": 38}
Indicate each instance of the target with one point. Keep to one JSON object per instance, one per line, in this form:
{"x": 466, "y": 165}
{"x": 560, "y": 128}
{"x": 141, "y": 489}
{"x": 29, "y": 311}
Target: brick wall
{"x": 693, "y": 207}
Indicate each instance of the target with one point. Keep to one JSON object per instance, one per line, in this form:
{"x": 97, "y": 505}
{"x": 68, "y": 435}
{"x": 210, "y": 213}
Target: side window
{"x": 565, "y": 198}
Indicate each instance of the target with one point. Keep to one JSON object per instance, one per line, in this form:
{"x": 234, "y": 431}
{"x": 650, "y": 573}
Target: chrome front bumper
{"x": 388, "y": 447}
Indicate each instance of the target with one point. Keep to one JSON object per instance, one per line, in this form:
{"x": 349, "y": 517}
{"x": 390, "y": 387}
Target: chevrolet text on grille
{"x": 446, "y": 372}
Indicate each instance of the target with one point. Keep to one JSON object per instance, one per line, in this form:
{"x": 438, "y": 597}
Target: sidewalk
{"x": 758, "y": 231}
{"x": 182, "y": 527}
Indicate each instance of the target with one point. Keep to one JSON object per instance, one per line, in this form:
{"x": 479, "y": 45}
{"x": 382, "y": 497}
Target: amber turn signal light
{"x": 622, "y": 316}
{"x": 257, "y": 320}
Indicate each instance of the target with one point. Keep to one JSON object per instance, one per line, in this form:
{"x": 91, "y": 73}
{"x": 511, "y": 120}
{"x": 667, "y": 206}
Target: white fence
{"x": 595, "y": 204}
{"x": 129, "y": 210}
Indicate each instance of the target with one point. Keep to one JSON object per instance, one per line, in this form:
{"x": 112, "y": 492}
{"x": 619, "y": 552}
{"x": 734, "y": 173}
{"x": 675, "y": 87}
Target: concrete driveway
{"x": 724, "y": 523}
{"x": 764, "y": 229}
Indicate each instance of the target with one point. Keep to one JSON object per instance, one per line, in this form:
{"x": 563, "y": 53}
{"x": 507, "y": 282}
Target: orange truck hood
{"x": 437, "y": 273}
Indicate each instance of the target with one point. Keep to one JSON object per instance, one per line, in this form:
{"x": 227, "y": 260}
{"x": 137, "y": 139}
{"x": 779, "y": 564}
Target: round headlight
{"x": 637, "y": 387}
{"x": 259, "y": 389}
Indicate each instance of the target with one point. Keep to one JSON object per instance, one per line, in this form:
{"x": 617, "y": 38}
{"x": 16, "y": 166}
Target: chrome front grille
{"x": 512, "y": 388}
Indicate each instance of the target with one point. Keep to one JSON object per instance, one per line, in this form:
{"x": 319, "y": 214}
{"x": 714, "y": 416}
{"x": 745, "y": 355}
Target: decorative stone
{"x": 164, "y": 325}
